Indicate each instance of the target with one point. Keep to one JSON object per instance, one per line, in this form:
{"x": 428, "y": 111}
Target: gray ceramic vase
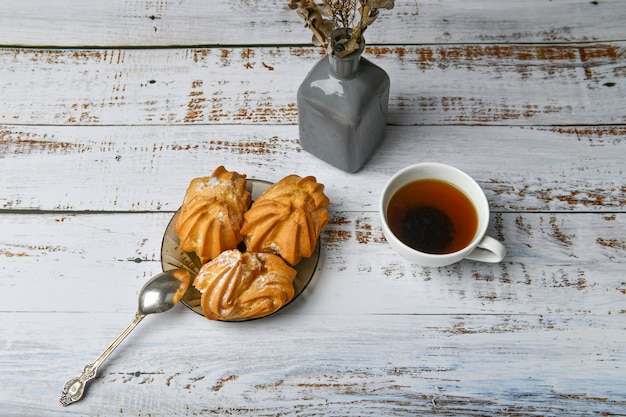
{"x": 342, "y": 110}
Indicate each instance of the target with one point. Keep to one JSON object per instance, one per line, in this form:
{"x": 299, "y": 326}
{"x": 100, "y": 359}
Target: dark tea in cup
{"x": 435, "y": 215}
{"x": 432, "y": 216}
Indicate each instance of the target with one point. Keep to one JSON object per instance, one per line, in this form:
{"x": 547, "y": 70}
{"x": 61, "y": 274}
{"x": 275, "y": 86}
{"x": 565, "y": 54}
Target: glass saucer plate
{"x": 173, "y": 257}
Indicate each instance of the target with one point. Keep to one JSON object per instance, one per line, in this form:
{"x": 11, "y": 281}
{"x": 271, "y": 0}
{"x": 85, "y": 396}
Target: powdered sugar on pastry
{"x": 287, "y": 218}
{"x": 211, "y": 215}
{"x": 247, "y": 285}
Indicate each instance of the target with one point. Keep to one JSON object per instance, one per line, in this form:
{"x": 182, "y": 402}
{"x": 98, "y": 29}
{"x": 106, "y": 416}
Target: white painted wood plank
{"x": 309, "y": 365}
{"x": 148, "y": 168}
{"x": 556, "y": 264}
{"x": 197, "y": 22}
{"x": 460, "y": 84}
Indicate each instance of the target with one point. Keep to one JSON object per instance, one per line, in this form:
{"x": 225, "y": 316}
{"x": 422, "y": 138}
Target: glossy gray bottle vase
{"x": 342, "y": 110}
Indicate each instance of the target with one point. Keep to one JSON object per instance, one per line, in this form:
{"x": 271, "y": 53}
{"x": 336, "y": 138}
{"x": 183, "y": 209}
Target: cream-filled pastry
{"x": 287, "y": 218}
{"x": 210, "y": 218}
{"x": 237, "y": 286}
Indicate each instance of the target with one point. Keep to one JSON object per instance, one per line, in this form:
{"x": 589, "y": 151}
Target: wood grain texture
{"x": 557, "y": 84}
{"x": 109, "y": 109}
{"x": 557, "y": 263}
{"x": 320, "y": 365}
{"x": 66, "y": 23}
{"x": 574, "y": 168}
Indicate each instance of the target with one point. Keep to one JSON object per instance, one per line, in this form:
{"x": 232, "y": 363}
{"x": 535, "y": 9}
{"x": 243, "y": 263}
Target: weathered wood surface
{"x": 560, "y": 84}
{"x": 270, "y": 22}
{"x": 572, "y": 168}
{"x": 108, "y": 109}
{"x": 314, "y": 365}
{"x": 553, "y": 257}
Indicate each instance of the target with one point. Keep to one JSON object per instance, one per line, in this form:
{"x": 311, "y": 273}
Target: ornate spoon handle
{"x": 74, "y": 389}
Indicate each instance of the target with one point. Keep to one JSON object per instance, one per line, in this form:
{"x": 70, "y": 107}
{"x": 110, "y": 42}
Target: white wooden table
{"x": 109, "y": 108}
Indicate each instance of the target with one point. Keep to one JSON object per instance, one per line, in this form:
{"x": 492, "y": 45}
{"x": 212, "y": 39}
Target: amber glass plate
{"x": 172, "y": 257}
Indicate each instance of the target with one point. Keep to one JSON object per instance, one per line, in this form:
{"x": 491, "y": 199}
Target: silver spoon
{"x": 161, "y": 293}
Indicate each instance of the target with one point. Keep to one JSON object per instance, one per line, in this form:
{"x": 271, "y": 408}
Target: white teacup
{"x": 480, "y": 247}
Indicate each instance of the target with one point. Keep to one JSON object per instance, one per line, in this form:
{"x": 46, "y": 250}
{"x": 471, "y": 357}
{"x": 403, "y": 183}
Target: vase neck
{"x": 347, "y": 66}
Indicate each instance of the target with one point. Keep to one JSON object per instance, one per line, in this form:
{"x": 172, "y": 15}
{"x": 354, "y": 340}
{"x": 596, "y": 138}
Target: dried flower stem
{"x": 323, "y": 18}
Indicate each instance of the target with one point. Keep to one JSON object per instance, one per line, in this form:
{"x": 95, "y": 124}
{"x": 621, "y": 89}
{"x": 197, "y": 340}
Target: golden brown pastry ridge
{"x": 246, "y": 285}
{"x": 211, "y": 215}
{"x": 287, "y": 218}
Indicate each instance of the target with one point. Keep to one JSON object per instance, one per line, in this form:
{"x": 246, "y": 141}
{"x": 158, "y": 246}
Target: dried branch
{"x": 323, "y": 18}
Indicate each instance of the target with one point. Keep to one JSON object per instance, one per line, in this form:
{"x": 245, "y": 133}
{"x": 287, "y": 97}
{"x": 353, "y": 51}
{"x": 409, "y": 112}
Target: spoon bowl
{"x": 159, "y": 294}
{"x": 163, "y": 291}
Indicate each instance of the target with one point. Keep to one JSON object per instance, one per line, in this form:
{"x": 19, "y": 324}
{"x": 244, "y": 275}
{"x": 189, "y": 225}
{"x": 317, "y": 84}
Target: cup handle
{"x": 488, "y": 250}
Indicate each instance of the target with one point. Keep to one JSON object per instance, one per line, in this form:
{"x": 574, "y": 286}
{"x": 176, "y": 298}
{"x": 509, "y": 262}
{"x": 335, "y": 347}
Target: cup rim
{"x": 483, "y": 217}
